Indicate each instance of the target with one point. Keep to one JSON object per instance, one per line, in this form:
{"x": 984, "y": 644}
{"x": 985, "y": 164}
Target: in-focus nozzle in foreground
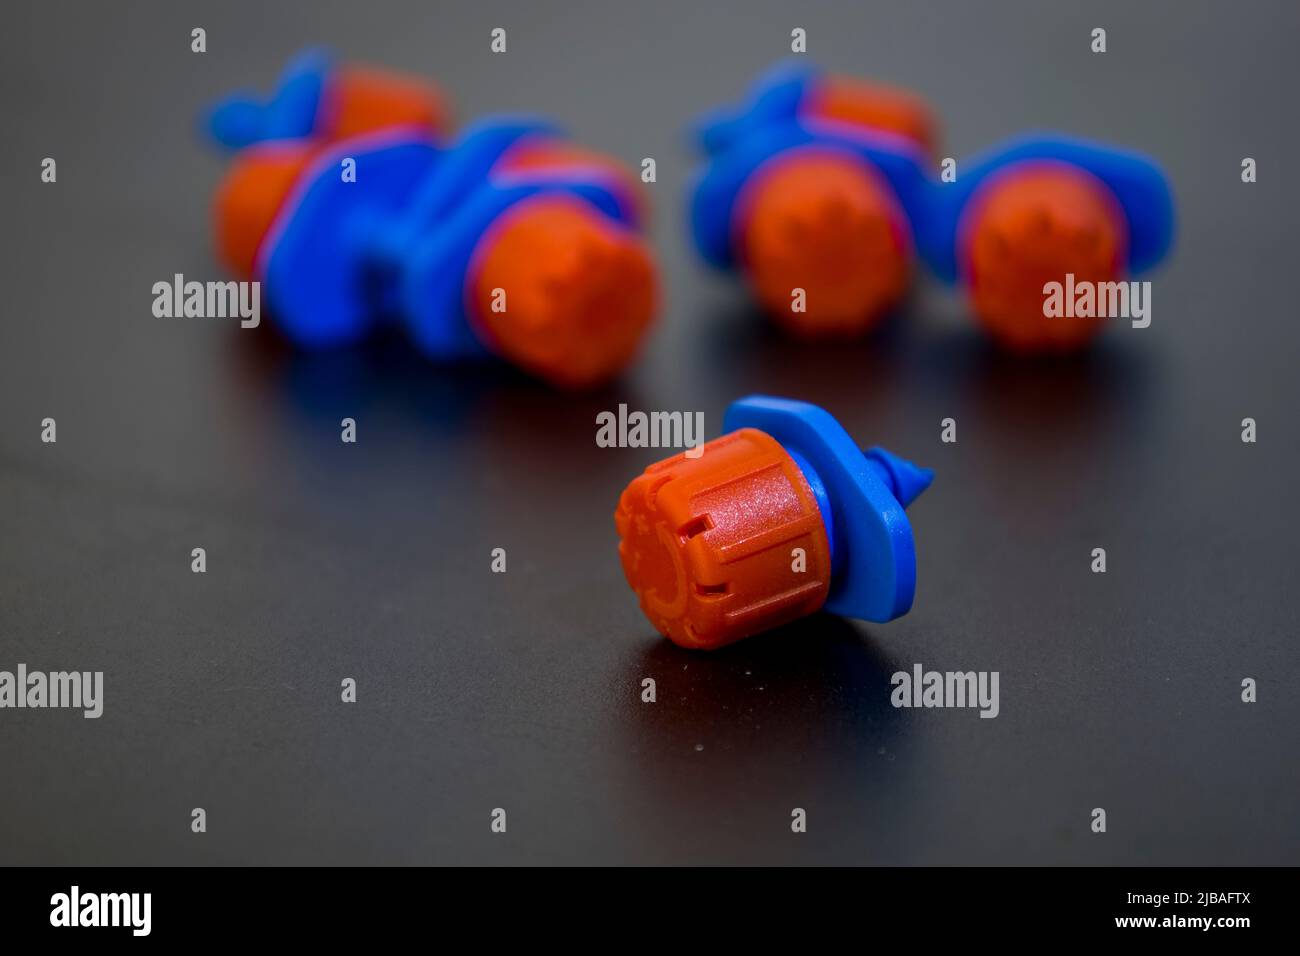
{"x": 779, "y": 517}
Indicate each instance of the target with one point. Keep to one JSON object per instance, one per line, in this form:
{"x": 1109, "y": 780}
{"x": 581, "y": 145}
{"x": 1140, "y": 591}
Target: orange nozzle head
{"x": 824, "y": 223}
{"x": 875, "y": 106}
{"x": 1033, "y": 226}
{"x": 250, "y": 197}
{"x": 706, "y": 542}
{"x": 562, "y": 291}
{"x": 364, "y": 99}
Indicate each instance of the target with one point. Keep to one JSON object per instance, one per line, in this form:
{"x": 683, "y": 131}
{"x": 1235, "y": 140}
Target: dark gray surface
{"x": 520, "y": 691}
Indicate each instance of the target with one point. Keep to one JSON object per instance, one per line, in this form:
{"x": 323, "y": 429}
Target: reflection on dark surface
{"x": 387, "y": 371}
{"x": 1084, "y": 392}
{"x": 1048, "y": 432}
{"x": 1036, "y": 435}
{"x": 1082, "y": 404}
{"x": 912, "y": 359}
{"x": 797, "y": 717}
{"x": 740, "y": 349}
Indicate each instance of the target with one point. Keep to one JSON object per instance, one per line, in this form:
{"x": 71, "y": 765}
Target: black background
{"x": 520, "y": 691}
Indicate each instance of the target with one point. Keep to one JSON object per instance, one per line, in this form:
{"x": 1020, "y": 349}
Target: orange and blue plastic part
{"x": 818, "y": 186}
{"x": 781, "y": 516}
{"x": 510, "y": 242}
{"x": 825, "y": 185}
{"x": 1039, "y": 208}
{"x": 317, "y": 98}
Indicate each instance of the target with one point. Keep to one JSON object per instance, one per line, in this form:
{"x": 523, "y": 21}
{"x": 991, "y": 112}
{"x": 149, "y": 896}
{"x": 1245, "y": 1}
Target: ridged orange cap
{"x": 1031, "y": 227}
{"x": 874, "y": 106}
{"x": 823, "y": 222}
{"x": 363, "y": 100}
{"x": 708, "y": 543}
{"x": 250, "y": 196}
{"x": 577, "y": 290}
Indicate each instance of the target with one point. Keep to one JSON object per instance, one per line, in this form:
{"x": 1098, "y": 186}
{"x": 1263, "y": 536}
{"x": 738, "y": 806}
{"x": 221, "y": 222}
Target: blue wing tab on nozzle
{"x": 774, "y": 98}
{"x": 875, "y": 577}
{"x": 291, "y": 112}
